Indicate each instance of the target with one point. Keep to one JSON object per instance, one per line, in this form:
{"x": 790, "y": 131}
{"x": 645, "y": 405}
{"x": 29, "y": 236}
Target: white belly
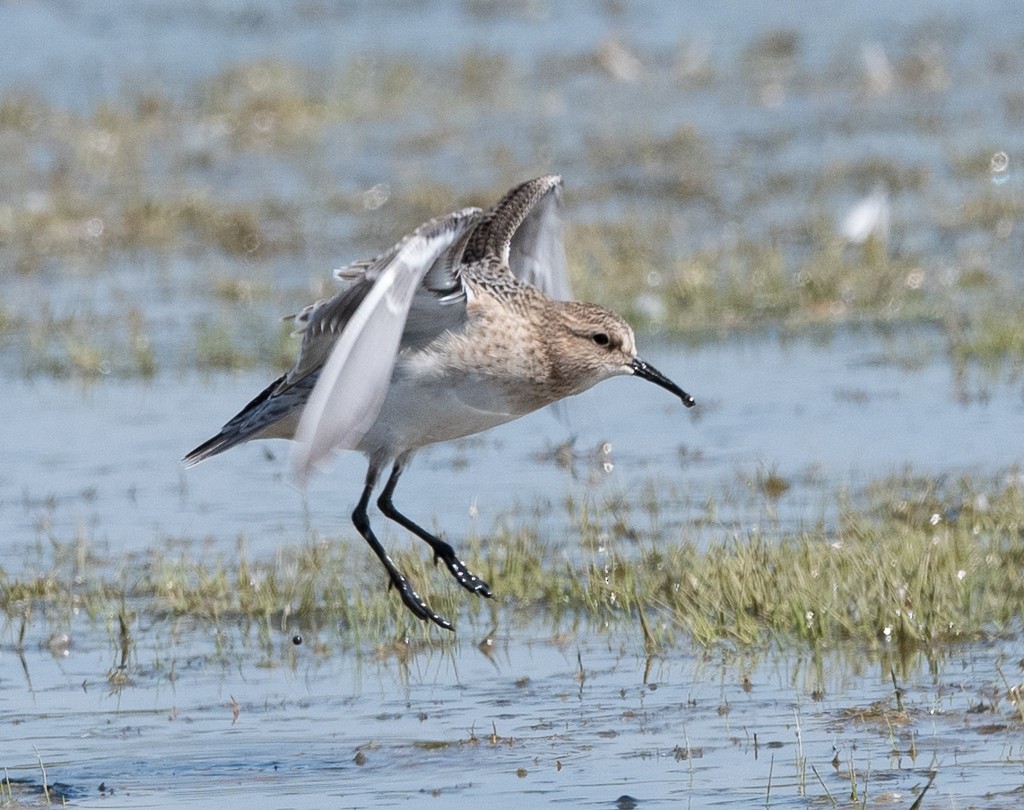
{"x": 417, "y": 413}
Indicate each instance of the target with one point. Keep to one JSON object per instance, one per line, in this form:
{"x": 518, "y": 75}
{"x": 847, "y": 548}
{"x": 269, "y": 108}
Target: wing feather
{"x": 321, "y": 323}
{"x": 523, "y": 230}
{"x": 355, "y": 378}
{"x": 536, "y": 253}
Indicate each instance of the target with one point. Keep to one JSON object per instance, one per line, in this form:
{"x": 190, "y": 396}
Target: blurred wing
{"x": 371, "y": 268}
{"x": 322, "y": 322}
{"x": 537, "y": 251}
{"x": 354, "y": 381}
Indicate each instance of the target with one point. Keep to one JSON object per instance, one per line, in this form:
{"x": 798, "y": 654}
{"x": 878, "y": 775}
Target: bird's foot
{"x": 412, "y": 600}
{"x": 466, "y": 578}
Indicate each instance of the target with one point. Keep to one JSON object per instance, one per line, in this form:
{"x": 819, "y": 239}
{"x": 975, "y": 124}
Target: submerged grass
{"x": 683, "y": 230}
{"x": 746, "y": 285}
{"x": 914, "y": 566}
{"x": 89, "y": 345}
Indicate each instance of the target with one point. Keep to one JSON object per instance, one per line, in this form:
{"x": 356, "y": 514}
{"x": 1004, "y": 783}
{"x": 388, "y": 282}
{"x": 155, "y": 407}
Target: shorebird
{"x": 463, "y": 325}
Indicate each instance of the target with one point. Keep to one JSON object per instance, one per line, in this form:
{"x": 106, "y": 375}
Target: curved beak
{"x": 644, "y": 370}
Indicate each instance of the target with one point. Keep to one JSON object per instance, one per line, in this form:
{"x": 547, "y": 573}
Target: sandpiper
{"x": 461, "y": 326}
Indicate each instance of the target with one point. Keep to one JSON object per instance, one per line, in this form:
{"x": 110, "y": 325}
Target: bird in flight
{"x": 463, "y": 325}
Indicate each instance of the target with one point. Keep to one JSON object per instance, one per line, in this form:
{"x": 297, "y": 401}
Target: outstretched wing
{"x": 524, "y": 230}
{"x": 443, "y": 272}
{"x": 321, "y": 323}
{"x": 372, "y": 318}
{"x": 536, "y": 250}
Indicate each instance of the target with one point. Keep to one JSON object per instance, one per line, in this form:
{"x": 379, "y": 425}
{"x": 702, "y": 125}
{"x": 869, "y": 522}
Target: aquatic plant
{"x": 914, "y": 566}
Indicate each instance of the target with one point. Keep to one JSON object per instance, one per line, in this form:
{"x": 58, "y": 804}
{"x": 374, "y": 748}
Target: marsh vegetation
{"x": 837, "y": 612}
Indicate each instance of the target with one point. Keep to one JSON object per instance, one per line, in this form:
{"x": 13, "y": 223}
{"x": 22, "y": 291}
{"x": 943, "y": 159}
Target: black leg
{"x": 412, "y": 600}
{"x": 442, "y": 551}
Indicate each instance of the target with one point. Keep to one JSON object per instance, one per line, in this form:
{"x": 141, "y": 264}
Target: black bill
{"x": 645, "y": 370}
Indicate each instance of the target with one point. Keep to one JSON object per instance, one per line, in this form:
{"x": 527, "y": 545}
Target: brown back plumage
{"x": 493, "y": 234}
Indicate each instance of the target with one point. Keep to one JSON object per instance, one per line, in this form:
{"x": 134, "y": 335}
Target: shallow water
{"x": 458, "y": 727}
{"x": 107, "y": 469}
{"x": 821, "y": 415}
{"x": 544, "y": 715}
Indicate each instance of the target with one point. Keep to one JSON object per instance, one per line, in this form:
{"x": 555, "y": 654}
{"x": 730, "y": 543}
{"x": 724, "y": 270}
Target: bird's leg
{"x": 442, "y": 551}
{"x": 398, "y": 581}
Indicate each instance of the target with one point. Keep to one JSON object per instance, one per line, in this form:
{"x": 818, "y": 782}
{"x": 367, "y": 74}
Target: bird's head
{"x": 595, "y": 344}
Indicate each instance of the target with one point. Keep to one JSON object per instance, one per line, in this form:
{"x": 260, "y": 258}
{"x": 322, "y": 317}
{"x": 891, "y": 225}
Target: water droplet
{"x": 375, "y": 197}
{"x": 999, "y": 166}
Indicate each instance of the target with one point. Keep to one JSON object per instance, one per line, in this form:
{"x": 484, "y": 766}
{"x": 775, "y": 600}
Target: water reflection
{"x": 579, "y": 718}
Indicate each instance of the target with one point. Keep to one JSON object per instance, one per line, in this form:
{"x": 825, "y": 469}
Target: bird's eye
{"x": 601, "y": 339}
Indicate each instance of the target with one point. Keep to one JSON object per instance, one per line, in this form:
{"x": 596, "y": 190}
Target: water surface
{"x": 722, "y": 124}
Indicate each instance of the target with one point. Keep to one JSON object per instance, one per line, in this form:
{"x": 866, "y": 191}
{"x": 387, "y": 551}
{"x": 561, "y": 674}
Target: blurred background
{"x": 815, "y": 214}
{"x": 811, "y": 212}
{"x": 170, "y": 173}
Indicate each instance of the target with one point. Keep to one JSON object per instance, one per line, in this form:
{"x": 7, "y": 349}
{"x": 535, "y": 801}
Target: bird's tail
{"x": 266, "y": 416}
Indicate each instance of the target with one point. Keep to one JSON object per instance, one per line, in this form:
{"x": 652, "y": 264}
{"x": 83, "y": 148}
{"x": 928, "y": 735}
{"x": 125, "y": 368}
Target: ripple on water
{"x": 709, "y": 729}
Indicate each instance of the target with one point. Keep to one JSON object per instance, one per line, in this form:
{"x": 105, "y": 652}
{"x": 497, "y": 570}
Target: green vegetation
{"x": 169, "y": 229}
{"x": 910, "y": 566}
{"x": 746, "y": 286}
{"x": 684, "y": 233}
{"x": 88, "y": 345}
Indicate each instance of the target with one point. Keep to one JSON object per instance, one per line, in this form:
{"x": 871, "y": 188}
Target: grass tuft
{"x": 915, "y": 567}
